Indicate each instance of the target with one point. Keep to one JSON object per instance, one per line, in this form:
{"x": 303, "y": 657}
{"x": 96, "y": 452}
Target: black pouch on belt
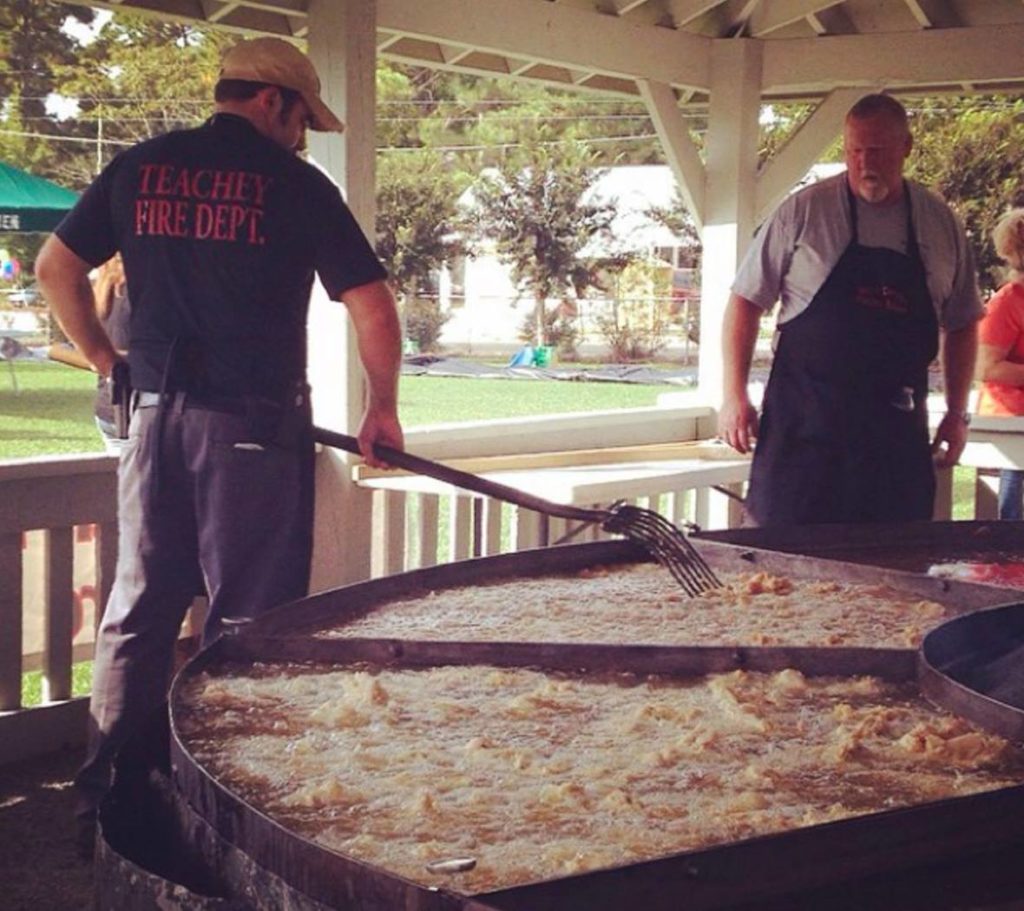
{"x": 121, "y": 398}
{"x": 287, "y": 424}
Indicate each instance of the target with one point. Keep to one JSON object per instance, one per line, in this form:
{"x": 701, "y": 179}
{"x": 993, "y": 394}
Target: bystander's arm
{"x": 379, "y": 338}
{"x": 959, "y": 351}
{"x": 63, "y": 278}
{"x": 737, "y": 419}
{"x": 994, "y": 367}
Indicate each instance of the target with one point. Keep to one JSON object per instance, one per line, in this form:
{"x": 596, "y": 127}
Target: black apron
{"x": 844, "y": 427}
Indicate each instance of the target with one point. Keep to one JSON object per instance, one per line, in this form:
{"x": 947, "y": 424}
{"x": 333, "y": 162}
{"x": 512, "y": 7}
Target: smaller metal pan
{"x": 973, "y": 665}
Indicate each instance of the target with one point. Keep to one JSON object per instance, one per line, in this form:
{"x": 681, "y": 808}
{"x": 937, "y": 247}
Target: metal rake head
{"x": 665, "y": 542}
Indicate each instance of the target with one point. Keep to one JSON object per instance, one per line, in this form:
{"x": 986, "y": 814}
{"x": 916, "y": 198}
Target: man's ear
{"x": 269, "y": 99}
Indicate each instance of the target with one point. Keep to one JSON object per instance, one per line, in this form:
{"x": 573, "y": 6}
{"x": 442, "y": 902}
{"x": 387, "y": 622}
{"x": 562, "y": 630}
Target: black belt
{"x": 190, "y": 400}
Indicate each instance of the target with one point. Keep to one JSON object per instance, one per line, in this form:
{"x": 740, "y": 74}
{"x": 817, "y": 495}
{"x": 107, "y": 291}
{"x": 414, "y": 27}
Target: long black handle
{"x": 401, "y": 459}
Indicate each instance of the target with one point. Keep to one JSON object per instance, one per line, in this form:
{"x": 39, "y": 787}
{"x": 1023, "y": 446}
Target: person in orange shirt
{"x": 1001, "y": 350}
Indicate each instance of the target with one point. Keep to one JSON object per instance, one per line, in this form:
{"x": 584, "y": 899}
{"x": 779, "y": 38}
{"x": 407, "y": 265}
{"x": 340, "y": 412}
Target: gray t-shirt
{"x": 797, "y": 247}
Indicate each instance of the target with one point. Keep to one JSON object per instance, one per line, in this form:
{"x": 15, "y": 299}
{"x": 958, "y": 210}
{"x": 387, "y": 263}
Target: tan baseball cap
{"x": 281, "y": 63}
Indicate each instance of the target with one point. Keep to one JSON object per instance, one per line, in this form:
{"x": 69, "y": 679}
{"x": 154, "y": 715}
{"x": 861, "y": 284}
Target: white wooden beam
{"x": 679, "y": 147}
{"x": 730, "y": 191}
{"x": 386, "y": 39}
{"x": 621, "y": 7}
{"x": 740, "y": 18}
{"x": 552, "y": 33}
{"x": 779, "y": 13}
{"x": 933, "y": 13}
{"x": 932, "y": 56}
{"x": 802, "y": 149}
{"x": 342, "y": 46}
{"x": 683, "y": 11}
{"x": 283, "y": 7}
{"x": 215, "y": 10}
{"x": 453, "y": 55}
{"x": 832, "y": 21}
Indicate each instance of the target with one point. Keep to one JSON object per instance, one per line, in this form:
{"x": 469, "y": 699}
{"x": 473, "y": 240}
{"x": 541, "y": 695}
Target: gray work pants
{"x": 231, "y": 514}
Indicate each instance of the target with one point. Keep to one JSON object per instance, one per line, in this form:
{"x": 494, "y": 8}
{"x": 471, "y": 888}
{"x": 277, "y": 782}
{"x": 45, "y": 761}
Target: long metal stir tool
{"x": 652, "y": 531}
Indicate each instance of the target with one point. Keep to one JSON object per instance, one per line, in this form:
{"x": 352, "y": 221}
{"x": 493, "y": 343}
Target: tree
{"x": 636, "y": 327}
{"x": 139, "y": 78}
{"x": 33, "y": 49}
{"x": 971, "y": 152}
{"x": 418, "y": 229}
{"x": 537, "y": 213}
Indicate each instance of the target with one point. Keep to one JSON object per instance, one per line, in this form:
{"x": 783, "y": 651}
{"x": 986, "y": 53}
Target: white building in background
{"x": 487, "y": 309}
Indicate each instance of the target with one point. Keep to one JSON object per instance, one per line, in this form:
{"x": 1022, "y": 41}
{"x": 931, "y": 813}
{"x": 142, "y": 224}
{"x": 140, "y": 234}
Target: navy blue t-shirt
{"x": 221, "y": 231}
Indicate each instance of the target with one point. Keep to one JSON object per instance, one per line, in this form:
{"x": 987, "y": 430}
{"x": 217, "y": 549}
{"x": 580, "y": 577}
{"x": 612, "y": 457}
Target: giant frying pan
{"x": 968, "y": 830}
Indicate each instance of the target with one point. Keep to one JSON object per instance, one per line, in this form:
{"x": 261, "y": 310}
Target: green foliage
{"x": 419, "y": 225}
{"x": 560, "y": 329}
{"x": 778, "y": 124}
{"x": 971, "y": 152}
{"x": 535, "y": 208}
{"x": 33, "y": 48}
{"x": 423, "y": 321}
{"x": 139, "y": 78}
{"x": 636, "y": 327}
{"x": 419, "y": 228}
{"x": 32, "y": 683}
{"x": 479, "y": 122}
{"x": 677, "y": 218}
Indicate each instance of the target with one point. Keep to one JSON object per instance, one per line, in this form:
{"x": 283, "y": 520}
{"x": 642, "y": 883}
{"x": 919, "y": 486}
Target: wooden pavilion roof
{"x": 810, "y": 46}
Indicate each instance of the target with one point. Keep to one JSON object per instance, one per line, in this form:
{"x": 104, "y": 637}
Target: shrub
{"x": 560, "y": 331}
{"x": 634, "y": 330}
{"x": 424, "y": 321}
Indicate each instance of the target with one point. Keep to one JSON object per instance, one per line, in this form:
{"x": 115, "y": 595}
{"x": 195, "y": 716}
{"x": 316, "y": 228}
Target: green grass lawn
{"x": 437, "y": 399}
{"x": 52, "y": 410}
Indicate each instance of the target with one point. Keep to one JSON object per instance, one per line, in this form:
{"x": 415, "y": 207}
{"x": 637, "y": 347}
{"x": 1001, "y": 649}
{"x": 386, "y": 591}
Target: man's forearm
{"x": 63, "y": 279}
{"x": 379, "y": 338}
{"x": 381, "y": 353}
{"x": 739, "y": 335}
{"x": 959, "y": 351}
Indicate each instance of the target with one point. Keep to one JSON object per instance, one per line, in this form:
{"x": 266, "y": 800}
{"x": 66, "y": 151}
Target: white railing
{"x": 47, "y": 503}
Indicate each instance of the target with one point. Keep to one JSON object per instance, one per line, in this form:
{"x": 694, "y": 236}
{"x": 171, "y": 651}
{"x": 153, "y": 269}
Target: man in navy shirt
{"x": 222, "y": 229}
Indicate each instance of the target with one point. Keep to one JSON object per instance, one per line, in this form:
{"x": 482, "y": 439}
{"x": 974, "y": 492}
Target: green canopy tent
{"x": 30, "y": 204}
